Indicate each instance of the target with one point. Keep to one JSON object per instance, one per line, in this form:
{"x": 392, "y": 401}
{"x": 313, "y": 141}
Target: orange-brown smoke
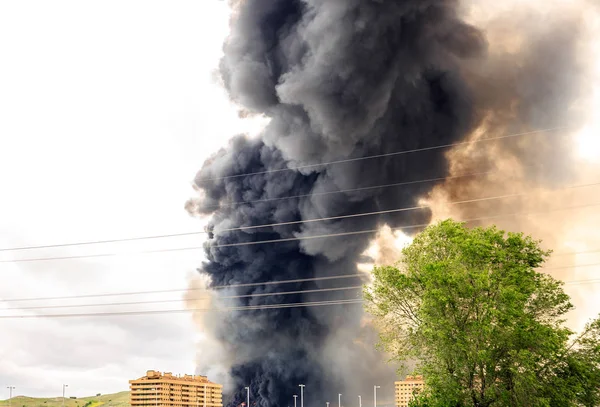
{"x": 549, "y": 190}
{"x": 540, "y": 82}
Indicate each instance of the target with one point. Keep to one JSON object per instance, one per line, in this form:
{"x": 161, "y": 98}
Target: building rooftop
{"x": 412, "y": 379}
{"x": 155, "y": 374}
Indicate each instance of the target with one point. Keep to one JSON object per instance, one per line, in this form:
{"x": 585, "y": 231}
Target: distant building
{"x": 407, "y": 389}
{"x": 165, "y": 390}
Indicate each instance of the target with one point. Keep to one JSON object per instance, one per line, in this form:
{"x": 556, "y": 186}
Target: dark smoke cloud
{"x": 338, "y": 79}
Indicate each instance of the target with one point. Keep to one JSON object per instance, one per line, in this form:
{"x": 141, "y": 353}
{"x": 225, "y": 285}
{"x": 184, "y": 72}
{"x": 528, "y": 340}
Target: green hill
{"x": 107, "y": 400}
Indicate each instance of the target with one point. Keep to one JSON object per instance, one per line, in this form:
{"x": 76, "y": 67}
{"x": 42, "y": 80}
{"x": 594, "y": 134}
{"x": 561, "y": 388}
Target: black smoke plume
{"x": 338, "y": 79}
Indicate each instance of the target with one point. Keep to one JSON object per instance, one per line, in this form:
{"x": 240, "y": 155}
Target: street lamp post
{"x": 340, "y": 400}
{"x": 63, "y": 400}
{"x": 359, "y": 401}
{"x": 247, "y": 396}
{"x": 10, "y": 389}
{"x": 301, "y": 394}
{"x": 295, "y": 398}
{"x": 375, "y": 395}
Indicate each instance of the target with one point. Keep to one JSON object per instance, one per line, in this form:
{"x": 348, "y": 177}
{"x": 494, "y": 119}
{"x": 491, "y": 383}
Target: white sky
{"x": 107, "y": 110}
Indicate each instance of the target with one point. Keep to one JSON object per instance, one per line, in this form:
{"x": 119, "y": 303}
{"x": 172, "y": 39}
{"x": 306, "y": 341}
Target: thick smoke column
{"x": 338, "y": 79}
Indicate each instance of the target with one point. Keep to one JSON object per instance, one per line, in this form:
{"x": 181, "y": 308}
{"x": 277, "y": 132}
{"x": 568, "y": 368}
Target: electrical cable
{"x": 450, "y": 145}
{"x": 180, "y": 311}
{"x": 395, "y": 184}
{"x": 570, "y": 267}
{"x": 314, "y": 236}
{"x": 190, "y": 299}
{"x": 218, "y": 287}
{"x": 255, "y": 295}
{"x": 217, "y": 309}
{"x": 181, "y": 234}
{"x": 224, "y": 286}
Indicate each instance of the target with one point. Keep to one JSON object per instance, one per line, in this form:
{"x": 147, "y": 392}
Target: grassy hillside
{"x": 108, "y": 400}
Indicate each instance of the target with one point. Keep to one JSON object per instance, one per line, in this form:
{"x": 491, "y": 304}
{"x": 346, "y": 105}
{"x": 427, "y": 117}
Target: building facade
{"x": 407, "y": 389}
{"x": 166, "y": 390}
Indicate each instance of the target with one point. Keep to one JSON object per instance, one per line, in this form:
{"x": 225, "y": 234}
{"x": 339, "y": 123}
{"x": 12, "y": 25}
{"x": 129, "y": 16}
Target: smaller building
{"x": 407, "y": 389}
{"x": 166, "y": 390}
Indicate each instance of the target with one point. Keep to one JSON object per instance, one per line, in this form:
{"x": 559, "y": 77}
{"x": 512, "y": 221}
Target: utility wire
{"x": 225, "y": 297}
{"x": 462, "y": 143}
{"x": 180, "y": 311}
{"x": 395, "y": 184}
{"x": 571, "y": 253}
{"x": 218, "y": 287}
{"x": 224, "y": 286}
{"x": 571, "y": 267}
{"x": 315, "y": 236}
{"x": 406, "y": 209}
{"x": 256, "y": 295}
{"x": 129, "y": 239}
{"x": 398, "y": 227}
{"x": 219, "y": 309}
{"x": 577, "y": 282}
{"x": 281, "y": 240}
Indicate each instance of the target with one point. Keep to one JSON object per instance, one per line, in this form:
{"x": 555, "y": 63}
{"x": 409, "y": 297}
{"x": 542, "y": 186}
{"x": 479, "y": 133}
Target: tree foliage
{"x": 486, "y": 327}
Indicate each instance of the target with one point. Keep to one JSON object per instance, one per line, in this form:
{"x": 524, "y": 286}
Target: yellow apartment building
{"x": 166, "y": 390}
{"x": 406, "y": 389}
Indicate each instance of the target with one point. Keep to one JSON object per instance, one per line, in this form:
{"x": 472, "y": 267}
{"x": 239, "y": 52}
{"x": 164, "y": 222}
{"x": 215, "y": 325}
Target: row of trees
{"x": 469, "y": 309}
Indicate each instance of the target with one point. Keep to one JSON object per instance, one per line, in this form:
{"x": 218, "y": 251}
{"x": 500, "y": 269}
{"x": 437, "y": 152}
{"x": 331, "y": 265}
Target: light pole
{"x": 247, "y": 395}
{"x": 295, "y": 398}
{"x": 375, "y": 395}
{"x": 359, "y": 402}
{"x": 340, "y": 400}
{"x": 327, "y": 403}
{"x": 301, "y": 394}
{"x": 64, "y": 387}
{"x": 10, "y": 389}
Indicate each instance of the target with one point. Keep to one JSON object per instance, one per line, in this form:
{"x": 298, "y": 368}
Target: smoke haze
{"x": 538, "y": 75}
{"x": 349, "y": 79}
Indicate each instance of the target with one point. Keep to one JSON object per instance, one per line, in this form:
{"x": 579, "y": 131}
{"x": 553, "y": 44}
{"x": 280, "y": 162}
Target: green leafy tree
{"x": 486, "y": 328}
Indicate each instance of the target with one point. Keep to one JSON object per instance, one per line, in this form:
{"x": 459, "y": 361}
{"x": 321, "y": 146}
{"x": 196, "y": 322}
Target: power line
{"x": 397, "y": 228}
{"x": 180, "y": 311}
{"x": 280, "y": 240}
{"x": 387, "y": 154}
{"x": 571, "y": 253}
{"x": 256, "y": 295}
{"x": 91, "y": 242}
{"x": 220, "y": 309}
{"x": 218, "y": 287}
{"x": 224, "y": 286}
{"x": 405, "y": 209}
{"x": 395, "y": 184}
{"x": 181, "y": 234}
{"x": 356, "y": 275}
{"x": 577, "y": 282}
{"x": 571, "y": 267}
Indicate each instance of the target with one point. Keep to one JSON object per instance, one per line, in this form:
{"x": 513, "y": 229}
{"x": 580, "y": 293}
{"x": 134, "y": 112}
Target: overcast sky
{"x": 107, "y": 110}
